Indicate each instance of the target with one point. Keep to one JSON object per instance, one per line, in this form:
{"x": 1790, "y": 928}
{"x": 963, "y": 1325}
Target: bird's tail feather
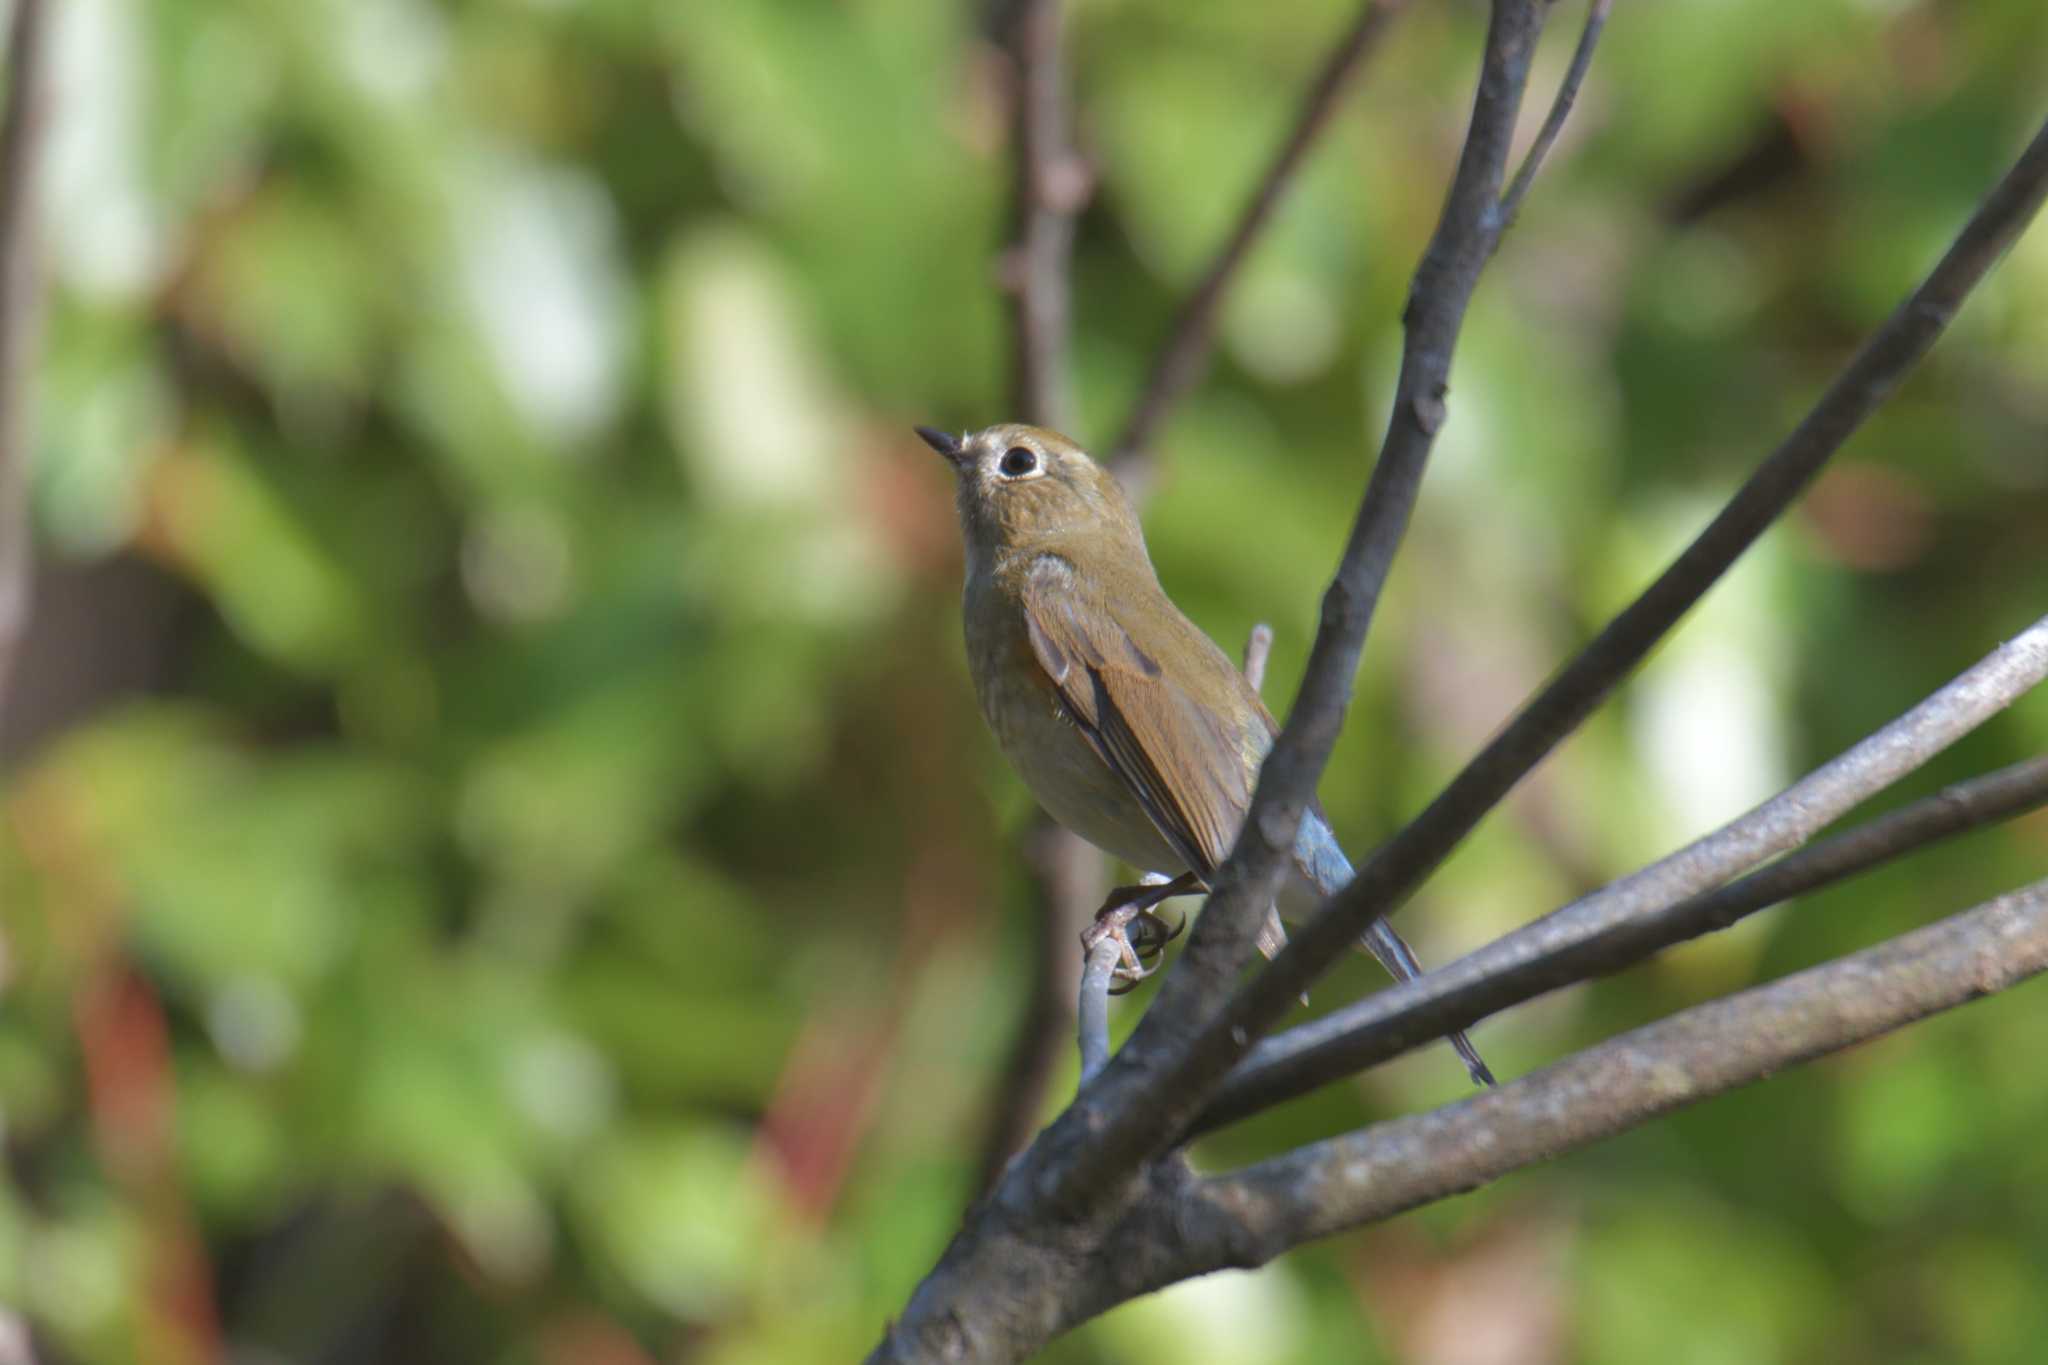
{"x": 1398, "y": 958}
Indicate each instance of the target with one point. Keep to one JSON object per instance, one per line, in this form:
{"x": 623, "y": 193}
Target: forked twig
{"x": 1560, "y": 109}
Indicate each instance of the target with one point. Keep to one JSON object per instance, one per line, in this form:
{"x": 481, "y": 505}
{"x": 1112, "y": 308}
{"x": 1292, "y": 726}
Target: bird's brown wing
{"x": 1180, "y": 759}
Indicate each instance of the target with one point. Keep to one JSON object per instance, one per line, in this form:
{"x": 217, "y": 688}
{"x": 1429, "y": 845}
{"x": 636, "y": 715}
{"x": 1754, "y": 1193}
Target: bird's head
{"x": 1023, "y": 487}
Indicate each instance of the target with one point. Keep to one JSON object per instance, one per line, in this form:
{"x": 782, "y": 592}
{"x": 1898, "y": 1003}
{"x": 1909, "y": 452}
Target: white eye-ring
{"x": 1018, "y": 462}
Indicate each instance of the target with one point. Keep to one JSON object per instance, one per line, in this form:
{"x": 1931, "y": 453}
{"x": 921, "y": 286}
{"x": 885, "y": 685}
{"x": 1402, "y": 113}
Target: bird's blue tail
{"x": 1321, "y": 860}
{"x": 1397, "y": 957}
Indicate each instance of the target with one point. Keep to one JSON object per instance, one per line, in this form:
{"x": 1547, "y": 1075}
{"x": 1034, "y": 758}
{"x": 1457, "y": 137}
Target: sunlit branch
{"x": 1380, "y": 1171}
{"x": 1394, "y": 870}
{"x": 1673, "y": 899}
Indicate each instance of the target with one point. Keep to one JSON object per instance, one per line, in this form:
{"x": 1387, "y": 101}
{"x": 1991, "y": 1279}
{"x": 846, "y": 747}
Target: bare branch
{"x": 1181, "y": 1226}
{"x": 1257, "y": 647}
{"x": 1560, "y": 109}
{"x": 1691, "y": 1056}
{"x": 1399, "y": 865}
{"x": 1179, "y": 360}
{"x": 1048, "y": 1247}
{"x": 1957, "y": 809}
{"x": 1094, "y": 1013}
{"x": 21, "y": 144}
{"x": 1669, "y": 901}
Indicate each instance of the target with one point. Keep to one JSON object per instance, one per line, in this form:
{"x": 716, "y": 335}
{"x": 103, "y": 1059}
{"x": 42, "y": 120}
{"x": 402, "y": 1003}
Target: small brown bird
{"x": 1128, "y": 724}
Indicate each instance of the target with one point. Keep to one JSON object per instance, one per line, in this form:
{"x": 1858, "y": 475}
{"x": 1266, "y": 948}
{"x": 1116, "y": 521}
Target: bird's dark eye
{"x": 1019, "y": 461}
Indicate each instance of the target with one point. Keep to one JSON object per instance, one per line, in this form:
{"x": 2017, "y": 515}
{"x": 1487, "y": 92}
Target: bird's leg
{"x": 1128, "y": 910}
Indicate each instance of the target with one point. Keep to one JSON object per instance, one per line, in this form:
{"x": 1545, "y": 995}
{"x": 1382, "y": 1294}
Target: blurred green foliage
{"x": 544, "y": 894}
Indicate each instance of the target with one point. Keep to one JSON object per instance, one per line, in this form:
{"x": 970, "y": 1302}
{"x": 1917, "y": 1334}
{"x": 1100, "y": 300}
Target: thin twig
{"x": 1257, "y": 646}
{"x": 1673, "y": 899}
{"x": 1560, "y": 109}
{"x": 1179, "y": 360}
{"x": 21, "y": 144}
{"x": 1094, "y": 1009}
{"x": 1958, "y": 809}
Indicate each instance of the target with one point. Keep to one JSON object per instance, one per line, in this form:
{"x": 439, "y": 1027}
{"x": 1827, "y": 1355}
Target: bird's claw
{"x": 1154, "y": 933}
{"x": 1144, "y": 943}
{"x": 1140, "y": 934}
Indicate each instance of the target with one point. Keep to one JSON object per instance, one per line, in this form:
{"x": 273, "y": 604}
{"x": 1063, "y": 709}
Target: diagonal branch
{"x": 1560, "y": 109}
{"x": 1674, "y": 899}
{"x": 1957, "y": 809}
{"x": 1179, "y": 361}
{"x": 1257, "y": 1213}
{"x": 1399, "y": 865}
{"x": 21, "y": 145}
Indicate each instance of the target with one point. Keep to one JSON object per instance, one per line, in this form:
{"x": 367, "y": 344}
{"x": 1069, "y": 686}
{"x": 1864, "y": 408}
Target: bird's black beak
{"x": 948, "y": 446}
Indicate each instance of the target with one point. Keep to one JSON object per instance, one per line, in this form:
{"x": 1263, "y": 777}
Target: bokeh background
{"x": 500, "y": 860}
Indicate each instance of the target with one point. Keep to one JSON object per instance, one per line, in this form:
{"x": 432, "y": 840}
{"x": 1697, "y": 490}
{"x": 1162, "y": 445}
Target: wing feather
{"x": 1161, "y": 742}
